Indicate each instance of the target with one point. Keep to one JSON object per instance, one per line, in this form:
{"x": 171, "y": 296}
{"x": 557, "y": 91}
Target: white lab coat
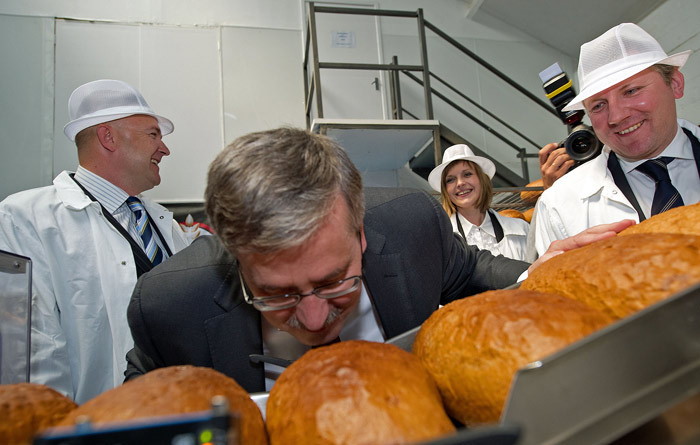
{"x": 83, "y": 276}
{"x": 514, "y": 242}
{"x": 584, "y": 197}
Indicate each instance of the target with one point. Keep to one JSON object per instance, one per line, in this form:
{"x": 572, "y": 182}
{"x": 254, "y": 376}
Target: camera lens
{"x": 582, "y": 144}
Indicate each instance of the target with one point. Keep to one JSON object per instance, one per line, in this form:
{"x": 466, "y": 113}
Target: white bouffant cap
{"x": 107, "y": 100}
{"x": 618, "y": 54}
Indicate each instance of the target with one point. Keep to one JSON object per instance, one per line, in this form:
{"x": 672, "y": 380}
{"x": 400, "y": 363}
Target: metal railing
{"x": 312, "y": 78}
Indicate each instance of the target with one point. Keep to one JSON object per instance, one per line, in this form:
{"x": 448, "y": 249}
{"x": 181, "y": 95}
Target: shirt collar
{"x": 486, "y": 224}
{"x": 680, "y": 147}
{"x": 361, "y": 323}
{"x": 109, "y": 195}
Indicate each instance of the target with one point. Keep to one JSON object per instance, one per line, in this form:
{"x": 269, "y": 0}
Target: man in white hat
{"x": 651, "y": 159}
{"x": 89, "y": 236}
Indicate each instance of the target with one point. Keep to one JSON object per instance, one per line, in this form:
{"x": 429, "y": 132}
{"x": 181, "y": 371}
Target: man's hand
{"x": 554, "y": 163}
{"x": 588, "y": 236}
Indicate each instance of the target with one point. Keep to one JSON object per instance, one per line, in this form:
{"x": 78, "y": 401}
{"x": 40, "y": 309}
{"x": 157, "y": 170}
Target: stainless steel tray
{"x": 611, "y": 381}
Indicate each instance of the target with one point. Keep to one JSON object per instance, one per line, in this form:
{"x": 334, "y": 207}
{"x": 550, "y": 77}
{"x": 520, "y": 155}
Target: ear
{"x": 677, "y": 83}
{"x": 105, "y": 134}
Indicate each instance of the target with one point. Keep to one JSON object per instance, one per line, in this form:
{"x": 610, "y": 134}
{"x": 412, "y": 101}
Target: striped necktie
{"x": 143, "y": 226}
{"x": 666, "y": 195}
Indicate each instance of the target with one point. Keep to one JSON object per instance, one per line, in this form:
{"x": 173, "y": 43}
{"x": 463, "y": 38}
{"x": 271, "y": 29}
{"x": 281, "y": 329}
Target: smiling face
{"x": 140, "y": 149}
{"x": 462, "y": 185}
{"x": 636, "y": 118}
{"x": 333, "y": 253}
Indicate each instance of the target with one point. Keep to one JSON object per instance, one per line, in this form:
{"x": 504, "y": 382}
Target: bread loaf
{"x": 527, "y": 214}
{"x": 512, "y": 213}
{"x": 684, "y": 219}
{"x": 531, "y": 197}
{"x": 355, "y": 392}
{"x": 28, "y": 408}
{"x": 474, "y": 346}
{"x": 174, "y": 390}
{"x": 623, "y": 274}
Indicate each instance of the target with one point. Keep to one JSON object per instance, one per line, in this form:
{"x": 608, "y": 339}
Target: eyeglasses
{"x": 286, "y": 301}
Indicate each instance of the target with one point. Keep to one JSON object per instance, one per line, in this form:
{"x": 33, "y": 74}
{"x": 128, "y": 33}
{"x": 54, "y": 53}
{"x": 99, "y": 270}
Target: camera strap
{"x": 624, "y": 186}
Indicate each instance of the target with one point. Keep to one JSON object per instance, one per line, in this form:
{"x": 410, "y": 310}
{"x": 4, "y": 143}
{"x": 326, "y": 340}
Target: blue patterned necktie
{"x": 666, "y": 195}
{"x": 143, "y": 226}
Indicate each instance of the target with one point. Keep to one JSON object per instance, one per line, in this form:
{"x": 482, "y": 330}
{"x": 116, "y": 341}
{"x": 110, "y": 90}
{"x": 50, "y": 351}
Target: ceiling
{"x": 564, "y": 24}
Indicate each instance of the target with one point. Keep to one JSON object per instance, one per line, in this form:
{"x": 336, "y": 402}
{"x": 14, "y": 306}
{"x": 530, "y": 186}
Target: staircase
{"x": 403, "y": 150}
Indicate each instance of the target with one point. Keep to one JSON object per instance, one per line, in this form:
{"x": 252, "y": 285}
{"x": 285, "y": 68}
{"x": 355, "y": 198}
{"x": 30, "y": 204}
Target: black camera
{"x": 581, "y": 144}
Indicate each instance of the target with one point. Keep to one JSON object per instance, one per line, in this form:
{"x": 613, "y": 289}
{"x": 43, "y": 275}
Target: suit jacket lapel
{"x": 387, "y": 285}
{"x": 234, "y": 335}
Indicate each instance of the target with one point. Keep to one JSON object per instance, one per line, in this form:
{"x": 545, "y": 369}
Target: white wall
{"x": 26, "y": 102}
{"x": 675, "y": 25}
{"x": 215, "y": 82}
{"x": 178, "y": 72}
{"x": 221, "y": 69}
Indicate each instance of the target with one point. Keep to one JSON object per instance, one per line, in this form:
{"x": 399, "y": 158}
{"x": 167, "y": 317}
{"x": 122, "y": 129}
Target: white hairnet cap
{"x": 618, "y": 54}
{"x": 106, "y": 100}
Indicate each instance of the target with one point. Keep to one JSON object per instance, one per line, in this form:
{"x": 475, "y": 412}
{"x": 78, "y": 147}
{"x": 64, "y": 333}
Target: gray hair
{"x": 269, "y": 191}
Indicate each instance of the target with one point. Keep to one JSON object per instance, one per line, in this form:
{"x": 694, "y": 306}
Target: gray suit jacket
{"x": 189, "y": 309}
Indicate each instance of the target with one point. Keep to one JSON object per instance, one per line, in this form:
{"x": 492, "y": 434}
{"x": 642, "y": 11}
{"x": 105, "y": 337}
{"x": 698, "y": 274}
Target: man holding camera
{"x": 651, "y": 160}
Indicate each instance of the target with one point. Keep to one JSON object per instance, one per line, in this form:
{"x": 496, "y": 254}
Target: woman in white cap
{"x": 464, "y": 183}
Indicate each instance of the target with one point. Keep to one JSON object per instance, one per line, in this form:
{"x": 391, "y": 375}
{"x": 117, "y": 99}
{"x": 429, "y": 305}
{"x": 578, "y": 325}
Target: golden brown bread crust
{"x": 28, "y": 408}
{"x": 684, "y": 219}
{"x": 355, "y": 392}
{"x": 512, "y": 213}
{"x": 474, "y": 346}
{"x": 527, "y": 214}
{"x": 531, "y": 197}
{"x": 623, "y": 274}
{"x": 174, "y": 390}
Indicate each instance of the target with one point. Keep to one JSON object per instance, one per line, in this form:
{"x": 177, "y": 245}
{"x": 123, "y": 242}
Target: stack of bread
{"x": 356, "y": 392}
{"x": 169, "y": 391}
{"x": 27, "y": 409}
{"x": 473, "y": 346}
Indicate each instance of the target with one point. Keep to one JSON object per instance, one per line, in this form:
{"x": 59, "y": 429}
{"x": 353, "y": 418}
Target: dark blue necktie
{"x": 143, "y": 226}
{"x": 666, "y": 195}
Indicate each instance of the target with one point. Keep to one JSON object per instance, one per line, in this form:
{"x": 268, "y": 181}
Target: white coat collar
{"x": 70, "y": 194}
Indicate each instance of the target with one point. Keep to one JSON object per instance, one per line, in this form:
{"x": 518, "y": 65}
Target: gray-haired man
{"x": 304, "y": 251}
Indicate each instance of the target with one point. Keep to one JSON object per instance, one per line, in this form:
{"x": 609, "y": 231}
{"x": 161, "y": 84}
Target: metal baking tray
{"x": 509, "y": 198}
{"x": 613, "y": 380}
{"x": 610, "y": 382}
